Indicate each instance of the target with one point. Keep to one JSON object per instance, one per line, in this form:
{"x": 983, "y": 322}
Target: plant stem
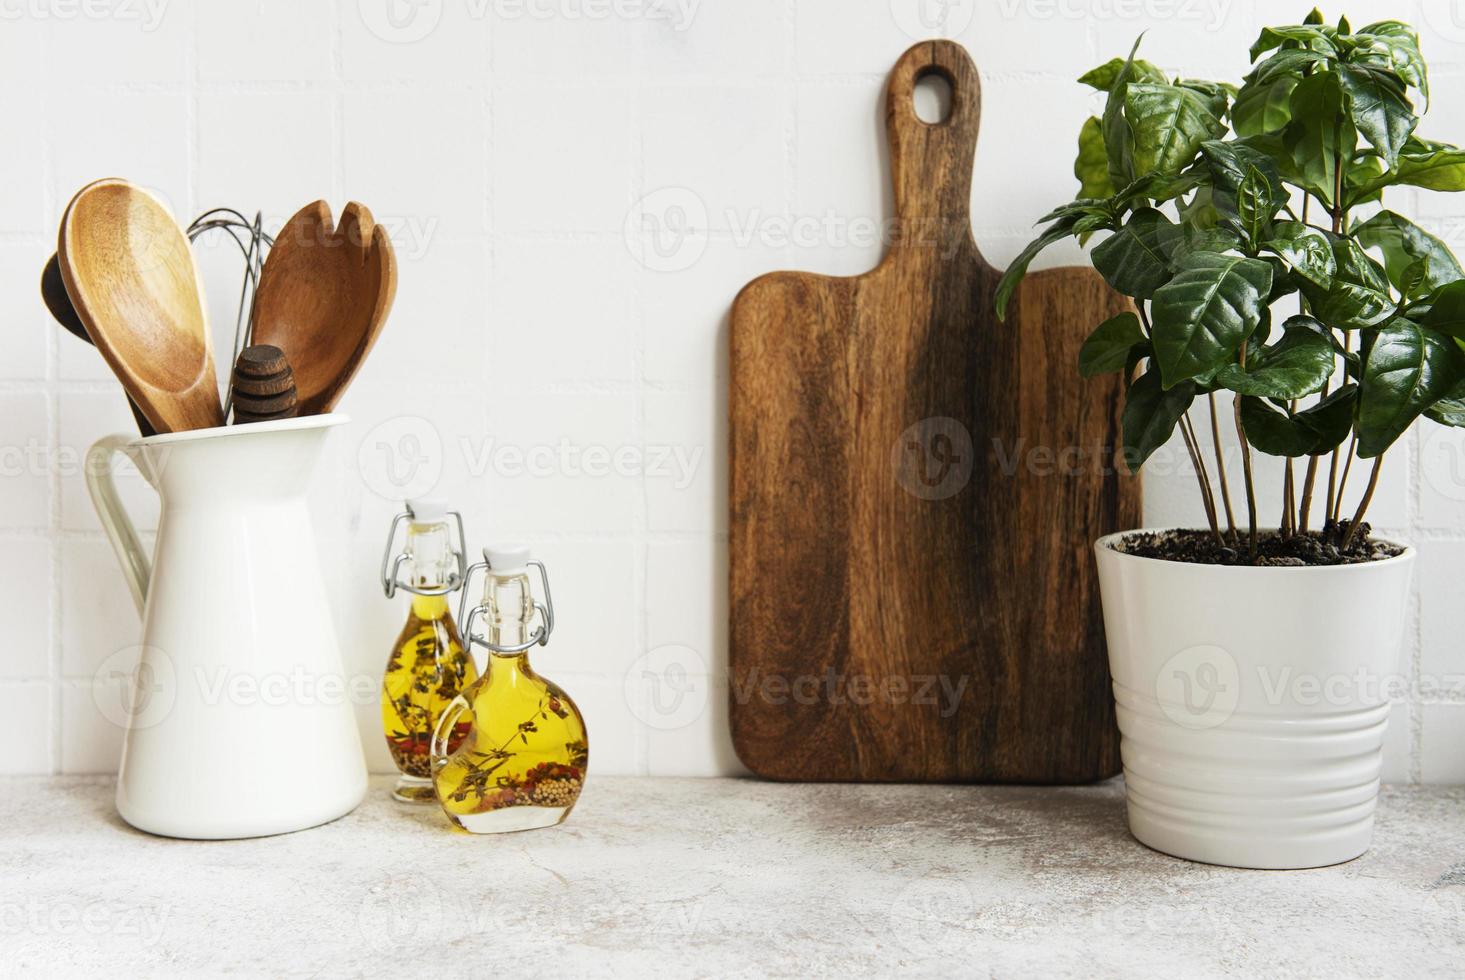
{"x": 1187, "y": 432}
{"x": 1335, "y": 494}
{"x": 1246, "y": 466}
{"x": 1373, "y": 482}
{"x": 1288, "y": 524}
{"x": 1307, "y": 483}
{"x": 1331, "y": 510}
{"x": 1221, "y": 468}
{"x": 1343, "y": 483}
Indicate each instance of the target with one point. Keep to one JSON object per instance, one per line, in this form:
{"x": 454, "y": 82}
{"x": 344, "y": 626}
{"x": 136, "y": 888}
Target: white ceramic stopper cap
{"x": 508, "y": 559}
{"x": 428, "y": 510}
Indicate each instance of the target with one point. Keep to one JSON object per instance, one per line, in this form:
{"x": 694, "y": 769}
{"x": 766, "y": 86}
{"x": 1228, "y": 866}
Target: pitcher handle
{"x": 445, "y": 723}
{"x": 102, "y": 485}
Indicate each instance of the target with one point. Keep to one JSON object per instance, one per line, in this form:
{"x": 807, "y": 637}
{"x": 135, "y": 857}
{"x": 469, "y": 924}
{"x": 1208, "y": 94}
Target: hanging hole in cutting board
{"x": 932, "y": 96}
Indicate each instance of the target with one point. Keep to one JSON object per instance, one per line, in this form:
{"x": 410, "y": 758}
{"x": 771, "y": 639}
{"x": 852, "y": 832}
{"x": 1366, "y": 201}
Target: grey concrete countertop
{"x": 682, "y": 877}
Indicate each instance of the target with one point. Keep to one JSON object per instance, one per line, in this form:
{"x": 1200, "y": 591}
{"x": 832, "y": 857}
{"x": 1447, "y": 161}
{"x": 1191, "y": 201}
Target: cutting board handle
{"x": 931, "y": 163}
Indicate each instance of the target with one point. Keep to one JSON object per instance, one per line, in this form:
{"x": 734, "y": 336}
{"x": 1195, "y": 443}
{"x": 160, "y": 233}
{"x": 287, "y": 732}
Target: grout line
{"x": 53, "y": 487}
{"x": 338, "y": 100}
{"x": 640, "y": 520}
{"x": 1414, "y": 510}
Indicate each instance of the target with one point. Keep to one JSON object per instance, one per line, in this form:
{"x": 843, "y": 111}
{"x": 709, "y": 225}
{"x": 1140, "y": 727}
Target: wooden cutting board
{"x": 916, "y": 487}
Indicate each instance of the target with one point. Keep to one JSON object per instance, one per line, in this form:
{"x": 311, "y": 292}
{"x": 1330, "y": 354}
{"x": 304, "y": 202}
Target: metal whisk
{"x": 253, "y": 243}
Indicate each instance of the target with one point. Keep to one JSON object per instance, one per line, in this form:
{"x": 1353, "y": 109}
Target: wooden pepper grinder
{"x": 263, "y": 385}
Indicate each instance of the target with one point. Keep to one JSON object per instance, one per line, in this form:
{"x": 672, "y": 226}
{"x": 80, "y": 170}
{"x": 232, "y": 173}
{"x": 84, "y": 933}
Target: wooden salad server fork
{"x": 323, "y": 298}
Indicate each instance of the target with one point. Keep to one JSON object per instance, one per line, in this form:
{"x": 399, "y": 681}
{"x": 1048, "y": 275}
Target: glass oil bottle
{"x": 522, "y": 764}
{"x": 429, "y": 663}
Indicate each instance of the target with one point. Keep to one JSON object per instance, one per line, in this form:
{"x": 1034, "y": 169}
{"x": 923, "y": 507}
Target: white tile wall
{"x": 577, "y": 191}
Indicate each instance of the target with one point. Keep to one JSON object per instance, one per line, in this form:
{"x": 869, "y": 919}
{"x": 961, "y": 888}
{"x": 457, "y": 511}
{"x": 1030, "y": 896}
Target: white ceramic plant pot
{"x": 239, "y": 718}
{"x": 1252, "y": 703}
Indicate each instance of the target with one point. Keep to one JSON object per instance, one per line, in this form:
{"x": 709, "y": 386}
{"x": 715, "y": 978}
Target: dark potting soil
{"x": 1313, "y": 548}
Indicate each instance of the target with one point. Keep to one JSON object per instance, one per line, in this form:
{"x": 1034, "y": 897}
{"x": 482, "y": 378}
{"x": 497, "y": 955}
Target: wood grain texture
{"x": 129, "y": 272}
{"x": 58, "y": 302}
{"x": 262, "y": 386}
{"x": 915, "y": 490}
{"x": 324, "y": 296}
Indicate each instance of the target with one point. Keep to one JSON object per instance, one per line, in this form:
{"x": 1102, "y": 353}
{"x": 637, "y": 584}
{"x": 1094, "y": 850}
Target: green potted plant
{"x": 1248, "y": 225}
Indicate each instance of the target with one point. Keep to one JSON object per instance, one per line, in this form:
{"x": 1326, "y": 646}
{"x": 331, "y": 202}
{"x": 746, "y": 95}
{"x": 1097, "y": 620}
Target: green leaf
{"x": 1263, "y": 108}
{"x": 1449, "y": 410}
{"x": 1358, "y": 174}
{"x": 1315, "y": 38}
{"x": 1320, "y": 134}
{"x": 1104, "y": 76}
{"x": 1289, "y": 62}
{"x": 1133, "y": 259}
{"x": 1199, "y": 212}
{"x": 1246, "y": 185}
{"x": 1077, "y": 208}
{"x": 1414, "y": 280}
{"x": 1060, "y": 229}
{"x": 1118, "y": 140}
{"x": 1310, "y": 433}
{"x": 1396, "y": 46}
{"x": 1403, "y": 243}
{"x": 1297, "y": 365}
{"x": 1379, "y": 108}
{"x": 1107, "y": 348}
{"x": 1447, "y": 310}
{"x": 1216, "y": 94}
{"x": 1257, "y": 201}
{"x": 1407, "y": 370}
{"x": 1092, "y": 165}
{"x": 1358, "y": 295}
{"x": 1168, "y": 123}
{"x": 1195, "y": 238}
{"x": 1202, "y": 316}
{"x": 1306, "y": 250}
{"x": 1151, "y": 413}
{"x": 1439, "y": 168}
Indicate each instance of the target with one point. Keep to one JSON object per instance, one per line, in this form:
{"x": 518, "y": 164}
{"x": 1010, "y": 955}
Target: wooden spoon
{"x": 129, "y": 271}
{"x": 58, "y": 301}
{"x": 323, "y": 298}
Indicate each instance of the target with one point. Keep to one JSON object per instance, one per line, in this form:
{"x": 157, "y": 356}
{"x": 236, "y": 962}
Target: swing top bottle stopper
{"x": 434, "y": 561}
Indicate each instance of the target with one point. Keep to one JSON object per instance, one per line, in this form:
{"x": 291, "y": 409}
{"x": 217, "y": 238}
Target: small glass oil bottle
{"x": 522, "y": 765}
{"x": 429, "y": 663}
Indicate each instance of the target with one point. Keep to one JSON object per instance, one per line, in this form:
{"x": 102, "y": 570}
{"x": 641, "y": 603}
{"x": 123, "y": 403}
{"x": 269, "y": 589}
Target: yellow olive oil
{"x": 522, "y": 765}
{"x": 428, "y": 668}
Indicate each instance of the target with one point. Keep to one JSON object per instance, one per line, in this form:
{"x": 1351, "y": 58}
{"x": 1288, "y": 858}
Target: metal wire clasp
{"x": 539, "y": 637}
{"x": 391, "y": 568}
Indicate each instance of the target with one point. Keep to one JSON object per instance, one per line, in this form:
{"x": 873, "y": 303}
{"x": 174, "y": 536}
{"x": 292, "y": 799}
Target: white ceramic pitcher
{"x": 241, "y": 722}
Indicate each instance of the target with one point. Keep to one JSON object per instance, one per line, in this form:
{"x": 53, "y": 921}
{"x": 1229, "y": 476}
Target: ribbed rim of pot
{"x": 252, "y": 428}
{"x": 1108, "y": 541}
